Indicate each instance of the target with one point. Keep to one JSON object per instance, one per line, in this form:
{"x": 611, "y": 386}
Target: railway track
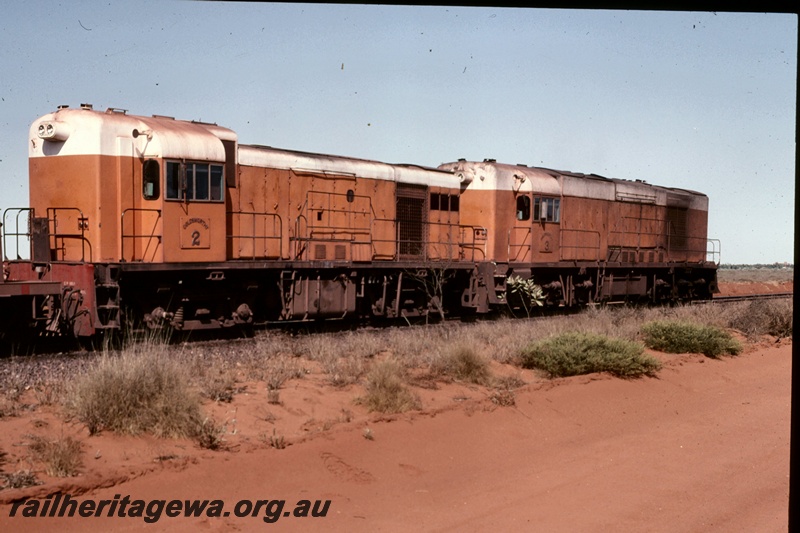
{"x": 748, "y": 297}
{"x": 45, "y": 346}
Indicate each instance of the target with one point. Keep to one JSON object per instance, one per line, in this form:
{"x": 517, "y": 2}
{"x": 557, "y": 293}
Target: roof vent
{"x": 490, "y": 160}
{"x": 86, "y": 106}
{"x": 63, "y": 106}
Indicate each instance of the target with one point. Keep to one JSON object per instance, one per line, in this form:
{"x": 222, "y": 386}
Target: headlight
{"x": 53, "y": 131}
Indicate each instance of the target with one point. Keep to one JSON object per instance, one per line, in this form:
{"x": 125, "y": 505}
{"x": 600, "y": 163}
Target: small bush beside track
{"x": 136, "y": 392}
{"x": 573, "y": 353}
{"x": 386, "y": 389}
{"x": 686, "y": 337}
{"x": 765, "y": 317}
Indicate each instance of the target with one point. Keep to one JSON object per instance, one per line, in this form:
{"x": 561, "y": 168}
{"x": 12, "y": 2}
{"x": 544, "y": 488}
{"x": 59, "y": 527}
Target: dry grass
{"x": 277, "y": 370}
{"x": 19, "y": 479}
{"x": 273, "y": 397}
{"x": 50, "y": 393}
{"x": 342, "y": 356}
{"x": 8, "y": 407}
{"x": 463, "y": 363}
{"x": 217, "y": 382}
{"x": 343, "y": 371}
{"x": 277, "y": 441}
{"x": 150, "y": 386}
{"x": 503, "y": 397}
{"x": 62, "y": 457}
{"x": 386, "y": 389}
{"x": 134, "y": 392}
{"x": 211, "y": 435}
{"x": 764, "y": 317}
{"x": 755, "y": 275}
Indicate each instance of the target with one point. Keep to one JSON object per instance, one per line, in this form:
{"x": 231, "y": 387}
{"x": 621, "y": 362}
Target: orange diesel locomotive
{"x": 175, "y": 223}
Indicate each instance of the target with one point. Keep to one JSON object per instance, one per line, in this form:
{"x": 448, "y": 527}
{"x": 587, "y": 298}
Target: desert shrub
{"x": 574, "y": 353}
{"x": 49, "y": 393}
{"x": 8, "y": 407}
{"x": 503, "y": 397}
{"x": 136, "y": 392}
{"x": 386, "y": 390}
{"x": 463, "y": 363}
{"x": 277, "y": 441}
{"x": 211, "y": 435}
{"x": 19, "y": 479}
{"x": 61, "y": 457}
{"x": 273, "y": 396}
{"x": 765, "y": 317}
{"x": 686, "y": 337}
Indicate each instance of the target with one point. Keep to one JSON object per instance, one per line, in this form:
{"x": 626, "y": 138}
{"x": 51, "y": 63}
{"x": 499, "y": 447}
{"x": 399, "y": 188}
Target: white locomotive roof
{"x": 85, "y": 131}
{"x": 490, "y": 175}
{"x": 266, "y": 156}
{"x": 638, "y": 191}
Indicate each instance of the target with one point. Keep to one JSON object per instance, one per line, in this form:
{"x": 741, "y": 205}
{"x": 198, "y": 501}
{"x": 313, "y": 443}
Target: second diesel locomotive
{"x": 177, "y": 224}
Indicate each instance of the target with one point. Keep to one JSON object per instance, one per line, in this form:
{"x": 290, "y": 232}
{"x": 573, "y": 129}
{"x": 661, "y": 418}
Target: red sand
{"x": 703, "y": 447}
{"x": 768, "y": 287}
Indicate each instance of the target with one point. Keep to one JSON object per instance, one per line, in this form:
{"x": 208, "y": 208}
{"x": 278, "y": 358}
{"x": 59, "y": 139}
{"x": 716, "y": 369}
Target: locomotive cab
{"x": 118, "y": 188}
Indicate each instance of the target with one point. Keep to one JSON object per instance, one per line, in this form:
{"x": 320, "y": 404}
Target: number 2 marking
{"x": 195, "y": 238}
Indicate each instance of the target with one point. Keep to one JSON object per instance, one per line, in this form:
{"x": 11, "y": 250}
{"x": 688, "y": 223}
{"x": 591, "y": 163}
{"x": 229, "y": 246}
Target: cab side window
{"x": 523, "y": 207}
{"x": 547, "y": 209}
{"x": 151, "y": 178}
{"x": 444, "y": 202}
{"x": 200, "y": 182}
{"x": 173, "y": 187}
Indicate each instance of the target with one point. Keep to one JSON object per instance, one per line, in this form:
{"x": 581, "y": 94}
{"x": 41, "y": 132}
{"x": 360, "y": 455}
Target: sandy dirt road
{"x": 703, "y": 447}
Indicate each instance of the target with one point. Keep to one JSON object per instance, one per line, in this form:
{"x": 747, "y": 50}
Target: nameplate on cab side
{"x": 195, "y": 233}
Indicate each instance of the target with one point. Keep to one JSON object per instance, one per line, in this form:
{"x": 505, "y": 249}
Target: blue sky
{"x": 704, "y": 101}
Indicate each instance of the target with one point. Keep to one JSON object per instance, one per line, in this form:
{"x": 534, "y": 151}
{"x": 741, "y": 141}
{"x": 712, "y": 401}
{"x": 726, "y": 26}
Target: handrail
{"x": 688, "y": 248}
{"x": 16, "y": 234}
{"x": 715, "y": 252}
{"x": 82, "y": 227}
{"x": 526, "y": 243}
{"x": 468, "y": 242}
{"x": 152, "y": 235}
{"x": 266, "y": 237}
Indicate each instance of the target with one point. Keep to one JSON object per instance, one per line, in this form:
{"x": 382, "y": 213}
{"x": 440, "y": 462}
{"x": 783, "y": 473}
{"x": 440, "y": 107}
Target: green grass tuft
{"x": 572, "y": 353}
{"x": 686, "y": 337}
